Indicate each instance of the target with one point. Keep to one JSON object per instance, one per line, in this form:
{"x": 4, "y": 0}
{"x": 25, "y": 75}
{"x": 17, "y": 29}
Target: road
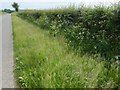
{"x": 8, "y": 80}
{"x": 0, "y": 52}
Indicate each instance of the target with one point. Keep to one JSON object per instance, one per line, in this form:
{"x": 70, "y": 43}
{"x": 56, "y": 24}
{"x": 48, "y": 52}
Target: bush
{"x": 87, "y": 30}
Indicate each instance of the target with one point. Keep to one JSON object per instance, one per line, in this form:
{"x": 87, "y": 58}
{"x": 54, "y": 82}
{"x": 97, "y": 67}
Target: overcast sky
{"x": 46, "y": 4}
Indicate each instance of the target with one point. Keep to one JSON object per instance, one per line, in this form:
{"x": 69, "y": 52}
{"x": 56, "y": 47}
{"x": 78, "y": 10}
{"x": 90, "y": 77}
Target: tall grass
{"x": 43, "y": 61}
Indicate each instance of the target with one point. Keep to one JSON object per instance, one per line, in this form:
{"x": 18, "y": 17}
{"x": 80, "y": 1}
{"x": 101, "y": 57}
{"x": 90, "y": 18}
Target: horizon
{"x": 51, "y": 5}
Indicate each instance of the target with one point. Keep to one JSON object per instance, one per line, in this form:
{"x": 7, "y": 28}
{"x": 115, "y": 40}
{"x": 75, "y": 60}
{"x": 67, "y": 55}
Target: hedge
{"x": 86, "y": 29}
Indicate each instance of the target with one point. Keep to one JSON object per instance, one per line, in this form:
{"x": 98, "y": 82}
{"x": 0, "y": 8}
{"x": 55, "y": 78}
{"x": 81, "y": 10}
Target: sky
{"x": 47, "y": 4}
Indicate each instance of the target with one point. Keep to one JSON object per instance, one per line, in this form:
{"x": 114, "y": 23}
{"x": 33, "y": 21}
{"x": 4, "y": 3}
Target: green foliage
{"x": 7, "y": 11}
{"x": 43, "y": 61}
{"x": 87, "y": 30}
{"x": 16, "y": 6}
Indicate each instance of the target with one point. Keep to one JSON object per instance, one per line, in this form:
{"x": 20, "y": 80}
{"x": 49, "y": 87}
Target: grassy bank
{"x": 44, "y": 61}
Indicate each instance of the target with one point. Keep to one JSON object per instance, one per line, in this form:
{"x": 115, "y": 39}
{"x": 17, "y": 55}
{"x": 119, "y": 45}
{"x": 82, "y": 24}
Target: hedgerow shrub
{"x": 87, "y": 30}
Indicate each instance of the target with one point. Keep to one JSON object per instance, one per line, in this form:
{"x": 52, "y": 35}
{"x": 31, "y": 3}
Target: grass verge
{"x": 44, "y": 61}
{"x": 2, "y": 13}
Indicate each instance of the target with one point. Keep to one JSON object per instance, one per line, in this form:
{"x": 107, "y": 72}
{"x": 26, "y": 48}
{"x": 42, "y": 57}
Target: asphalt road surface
{"x": 0, "y": 52}
{"x": 8, "y": 80}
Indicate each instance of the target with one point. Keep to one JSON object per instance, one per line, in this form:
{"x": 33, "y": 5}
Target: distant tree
{"x": 7, "y": 10}
{"x": 16, "y": 6}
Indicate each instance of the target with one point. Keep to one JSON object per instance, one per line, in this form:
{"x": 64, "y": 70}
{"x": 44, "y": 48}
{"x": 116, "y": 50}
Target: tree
{"x": 7, "y": 10}
{"x": 16, "y": 6}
